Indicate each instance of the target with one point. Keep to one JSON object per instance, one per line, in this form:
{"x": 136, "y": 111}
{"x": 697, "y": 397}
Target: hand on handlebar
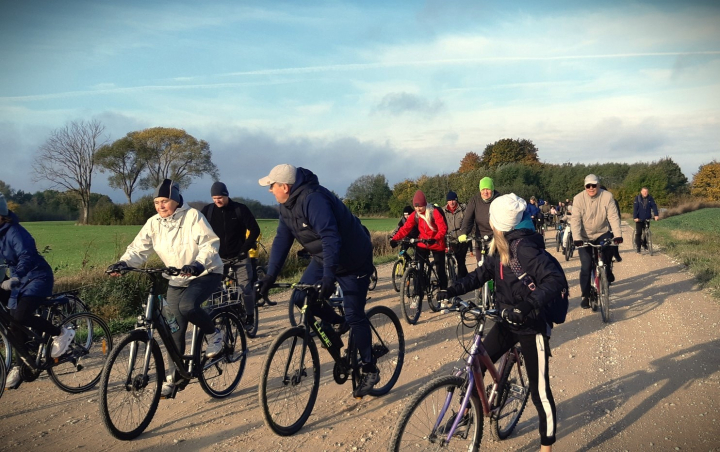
{"x": 393, "y": 243}
{"x": 325, "y": 287}
{"x": 264, "y": 285}
{"x": 117, "y": 269}
{"x": 578, "y": 243}
{"x": 617, "y": 240}
{"x": 193, "y": 269}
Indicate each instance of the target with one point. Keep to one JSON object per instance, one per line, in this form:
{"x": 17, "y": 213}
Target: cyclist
{"x": 454, "y": 215}
{"x": 644, "y": 208}
{"x": 341, "y": 251}
{"x": 182, "y": 238}
{"x": 432, "y": 226}
{"x": 30, "y": 283}
{"x": 520, "y": 307}
{"x": 594, "y": 215}
{"x": 477, "y": 213}
{"x": 534, "y": 212}
{"x": 231, "y": 221}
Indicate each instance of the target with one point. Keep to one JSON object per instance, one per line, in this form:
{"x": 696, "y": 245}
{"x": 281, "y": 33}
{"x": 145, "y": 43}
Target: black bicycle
{"x": 599, "y": 295}
{"x": 570, "y": 247}
{"x": 133, "y": 375}
{"x": 646, "y": 237}
{"x": 290, "y": 375}
{"x": 451, "y": 265}
{"x": 419, "y": 281}
{"x": 233, "y": 294}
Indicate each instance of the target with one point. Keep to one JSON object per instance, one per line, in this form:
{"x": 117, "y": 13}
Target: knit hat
{"x": 282, "y": 174}
{"x": 488, "y": 183}
{"x": 3, "y": 206}
{"x": 219, "y": 189}
{"x": 591, "y": 179}
{"x": 408, "y": 209}
{"x": 506, "y": 212}
{"x": 419, "y": 199}
{"x": 169, "y": 189}
{"x": 451, "y": 196}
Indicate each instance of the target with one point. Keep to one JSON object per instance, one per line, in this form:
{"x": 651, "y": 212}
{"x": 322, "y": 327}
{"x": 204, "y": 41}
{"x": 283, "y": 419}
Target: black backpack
{"x": 556, "y": 310}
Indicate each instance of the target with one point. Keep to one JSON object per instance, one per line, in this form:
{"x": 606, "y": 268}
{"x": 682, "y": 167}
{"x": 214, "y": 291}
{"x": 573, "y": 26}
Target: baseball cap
{"x": 591, "y": 179}
{"x": 283, "y": 174}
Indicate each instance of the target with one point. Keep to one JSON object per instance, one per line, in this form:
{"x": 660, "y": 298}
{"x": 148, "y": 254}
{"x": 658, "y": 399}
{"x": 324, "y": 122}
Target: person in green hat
{"x": 477, "y": 213}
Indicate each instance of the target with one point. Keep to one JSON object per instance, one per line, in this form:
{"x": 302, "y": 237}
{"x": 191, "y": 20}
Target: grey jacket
{"x": 593, "y": 217}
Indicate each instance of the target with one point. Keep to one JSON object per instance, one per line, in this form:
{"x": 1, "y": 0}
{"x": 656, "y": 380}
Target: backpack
{"x": 557, "y": 309}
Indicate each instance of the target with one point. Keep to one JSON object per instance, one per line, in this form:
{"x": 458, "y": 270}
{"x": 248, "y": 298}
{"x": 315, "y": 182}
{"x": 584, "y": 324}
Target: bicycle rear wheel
{"x": 3, "y": 376}
{"x": 5, "y": 351}
{"x": 604, "y": 296}
{"x": 373, "y": 279}
{"x": 427, "y": 419}
{"x": 289, "y": 382}
{"x": 514, "y": 389}
{"x": 129, "y": 396}
{"x": 397, "y": 274}
{"x": 79, "y": 368}
{"x": 411, "y": 296}
{"x": 221, "y": 374}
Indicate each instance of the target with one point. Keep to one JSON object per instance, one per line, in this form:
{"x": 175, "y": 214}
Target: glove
{"x": 462, "y": 238}
{"x": 265, "y": 284}
{"x": 193, "y": 269}
{"x": 578, "y": 243}
{"x": 10, "y": 284}
{"x": 242, "y": 256}
{"x": 517, "y": 315}
{"x": 326, "y": 287}
{"x": 431, "y": 241}
{"x": 393, "y": 243}
{"x": 446, "y": 294}
{"x": 117, "y": 267}
{"x": 617, "y": 240}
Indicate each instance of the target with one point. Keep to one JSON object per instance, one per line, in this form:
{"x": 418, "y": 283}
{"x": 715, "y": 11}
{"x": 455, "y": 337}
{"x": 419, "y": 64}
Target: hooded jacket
{"x": 18, "y": 249}
{"x": 435, "y": 231}
{"x": 324, "y": 226}
{"x": 594, "y": 216}
{"x": 180, "y": 239}
{"x": 477, "y": 214}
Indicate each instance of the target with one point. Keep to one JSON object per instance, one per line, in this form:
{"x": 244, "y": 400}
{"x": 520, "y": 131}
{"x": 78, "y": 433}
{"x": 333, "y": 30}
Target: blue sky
{"x": 354, "y": 88}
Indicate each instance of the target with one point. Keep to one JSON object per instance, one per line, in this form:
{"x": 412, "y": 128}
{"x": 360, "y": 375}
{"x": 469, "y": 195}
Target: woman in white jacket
{"x": 183, "y": 239}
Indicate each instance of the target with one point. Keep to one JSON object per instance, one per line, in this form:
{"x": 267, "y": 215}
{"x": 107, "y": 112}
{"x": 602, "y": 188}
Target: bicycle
{"x": 450, "y": 408}
{"x": 485, "y": 296}
{"x": 646, "y": 236}
{"x": 134, "y": 372}
{"x": 399, "y": 268}
{"x": 420, "y": 280}
{"x": 295, "y": 311}
{"x": 451, "y": 264}
{"x": 558, "y": 236}
{"x": 233, "y": 294}
{"x": 290, "y": 375}
{"x": 78, "y": 369}
{"x": 373, "y": 279}
{"x": 599, "y": 295}
{"x": 570, "y": 247}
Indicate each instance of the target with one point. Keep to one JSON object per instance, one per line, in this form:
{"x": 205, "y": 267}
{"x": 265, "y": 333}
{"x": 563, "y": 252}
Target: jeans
{"x": 245, "y": 274}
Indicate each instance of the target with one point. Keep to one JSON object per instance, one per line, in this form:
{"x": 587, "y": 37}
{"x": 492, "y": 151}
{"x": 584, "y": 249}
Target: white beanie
{"x": 3, "y": 206}
{"x": 506, "y": 212}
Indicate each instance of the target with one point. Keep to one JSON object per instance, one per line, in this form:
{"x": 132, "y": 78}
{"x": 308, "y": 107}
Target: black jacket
{"x": 231, "y": 223}
{"x": 477, "y": 213}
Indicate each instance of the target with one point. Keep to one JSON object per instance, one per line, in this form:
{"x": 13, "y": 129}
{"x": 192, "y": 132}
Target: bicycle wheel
{"x": 604, "y": 296}
{"x": 649, "y": 241}
{"x": 569, "y": 249}
{"x": 128, "y": 396}
{"x": 514, "y": 389}
{"x": 221, "y": 374}
{"x": 289, "y": 382}
{"x": 558, "y": 241}
{"x": 411, "y": 296}
{"x": 5, "y": 351}
{"x": 388, "y": 348}
{"x": 397, "y": 274}
{"x": 426, "y": 421}
{"x": 74, "y": 306}
{"x": 294, "y": 311}
{"x": 3, "y": 376}
{"x": 373, "y": 279}
{"x": 451, "y": 266}
{"x": 79, "y": 368}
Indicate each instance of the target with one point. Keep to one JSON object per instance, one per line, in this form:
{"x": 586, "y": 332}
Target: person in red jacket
{"x": 431, "y": 225}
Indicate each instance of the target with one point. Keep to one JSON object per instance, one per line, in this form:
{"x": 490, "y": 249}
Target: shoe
{"x": 13, "y": 379}
{"x": 461, "y": 427}
{"x": 215, "y": 343}
{"x": 413, "y": 304}
{"x": 611, "y": 277}
{"x": 269, "y": 302}
{"x": 367, "y": 382}
{"x": 62, "y": 342}
{"x": 585, "y": 303}
{"x": 637, "y": 250}
{"x": 167, "y": 388}
{"x": 249, "y": 322}
{"x": 645, "y": 247}
{"x": 618, "y": 259}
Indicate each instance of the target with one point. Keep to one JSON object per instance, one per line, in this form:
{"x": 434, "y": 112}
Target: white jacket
{"x": 180, "y": 239}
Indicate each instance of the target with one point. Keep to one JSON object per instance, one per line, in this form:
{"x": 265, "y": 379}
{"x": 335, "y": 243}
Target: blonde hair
{"x": 499, "y": 246}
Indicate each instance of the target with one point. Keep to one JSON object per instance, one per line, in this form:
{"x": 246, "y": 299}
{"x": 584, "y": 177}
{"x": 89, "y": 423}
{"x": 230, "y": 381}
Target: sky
{"x": 348, "y": 89}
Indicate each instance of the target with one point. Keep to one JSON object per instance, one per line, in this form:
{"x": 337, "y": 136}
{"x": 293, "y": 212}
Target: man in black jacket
{"x": 231, "y": 222}
{"x": 477, "y": 214}
{"x": 644, "y": 208}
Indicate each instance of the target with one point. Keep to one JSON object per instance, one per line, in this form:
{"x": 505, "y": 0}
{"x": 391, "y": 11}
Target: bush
{"x": 139, "y": 211}
{"x": 107, "y": 213}
{"x": 115, "y": 298}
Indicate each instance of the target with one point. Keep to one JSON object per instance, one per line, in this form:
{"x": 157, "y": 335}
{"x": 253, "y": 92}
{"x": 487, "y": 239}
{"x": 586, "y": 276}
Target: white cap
{"x": 506, "y": 212}
{"x": 591, "y": 179}
{"x": 282, "y": 174}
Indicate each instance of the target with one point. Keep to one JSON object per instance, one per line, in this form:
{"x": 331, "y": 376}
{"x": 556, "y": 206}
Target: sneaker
{"x": 367, "y": 382}
{"x": 637, "y": 250}
{"x": 167, "y": 390}
{"x": 611, "y": 277}
{"x": 62, "y": 342}
{"x": 585, "y": 303}
{"x": 249, "y": 323}
{"x": 618, "y": 258}
{"x": 413, "y": 304}
{"x": 13, "y": 379}
{"x": 215, "y": 343}
{"x": 269, "y": 302}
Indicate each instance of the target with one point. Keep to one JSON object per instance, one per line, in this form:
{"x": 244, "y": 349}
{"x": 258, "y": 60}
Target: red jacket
{"x": 425, "y": 231}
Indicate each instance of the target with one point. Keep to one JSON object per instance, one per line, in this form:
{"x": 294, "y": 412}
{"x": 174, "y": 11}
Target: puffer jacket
{"x": 180, "y": 239}
{"x": 437, "y": 231}
{"x": 18, "y": 249}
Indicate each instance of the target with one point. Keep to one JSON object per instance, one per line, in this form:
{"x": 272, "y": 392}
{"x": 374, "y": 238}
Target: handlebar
{"x": 412, "y": 241}
{"x": 170, "y": 271}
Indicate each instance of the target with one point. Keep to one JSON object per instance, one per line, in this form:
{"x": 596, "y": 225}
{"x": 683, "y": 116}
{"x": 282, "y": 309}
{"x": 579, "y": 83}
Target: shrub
{"x": 139, "y": 211}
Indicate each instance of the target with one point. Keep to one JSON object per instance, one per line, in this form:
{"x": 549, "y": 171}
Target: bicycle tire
{"x": 416, "y": 426}
{"x": 294, "y": 311}
{"x": 79, "y": 369}
{"x": 136, "y": 395}
{"x": 3, "y": 377}
{"x": 451, "y": 265}
{"x": 649, "y": 241}
{"x": 373, "y": 279}
{"x": 569, "y": 249}
{"x": 398, "y": 271}
{"x": 558, "y": 241}
{"x": 604, "y": 296}
{"x": 432, "y": 288}
{"x": 74, "y": 306}
{"x": 514, "y": 389}
{"x": 388, "y": 348}
{"x": 277, "y": 390}
{"x": 411, "y": 294}
{"x": 222, "y": 374}
{"x": 6, "y": 351}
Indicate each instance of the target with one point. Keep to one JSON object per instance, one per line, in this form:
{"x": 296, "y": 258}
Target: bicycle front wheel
{"x": 514, "y": 389}
{"x": 649, "y": 241}
{"x": 3, "y": 376}
{"x": 221, "y": 374}
{"x": 129, "y": 395}
{"x": 397, "y": 274}
{"x": 426, "y": 421}
{"x": 79, "y": 368}
{"x": 604, "y": 296}
{"x": 294, "y": 311}
{"x": 558, "y": 241}
{"x": 373, "y": 279}
{"x": 451, "y": 265}
{"x": 411, "y": 296}
{"x": 289, "y": 382}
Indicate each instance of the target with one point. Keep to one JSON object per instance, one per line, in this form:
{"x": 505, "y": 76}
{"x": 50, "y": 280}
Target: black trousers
{"x": 24, "y": 314}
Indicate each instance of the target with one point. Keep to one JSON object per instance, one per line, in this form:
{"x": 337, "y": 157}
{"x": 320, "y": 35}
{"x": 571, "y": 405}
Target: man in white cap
{"x": 594, "y": 214}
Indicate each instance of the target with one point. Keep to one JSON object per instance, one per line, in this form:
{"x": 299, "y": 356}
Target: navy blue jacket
{"x": 324, "y": 226}
{"x": 644, "y": 212}
{"x": 509, "y": 290}
{"x": 18, "y": 249}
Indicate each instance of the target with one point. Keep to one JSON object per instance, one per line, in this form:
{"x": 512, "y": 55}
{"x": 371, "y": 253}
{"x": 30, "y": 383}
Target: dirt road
{"x": 650, "y": 380}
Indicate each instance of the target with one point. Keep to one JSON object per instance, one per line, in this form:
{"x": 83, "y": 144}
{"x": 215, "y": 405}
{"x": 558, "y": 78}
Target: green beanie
{"x": 486, "y": 182}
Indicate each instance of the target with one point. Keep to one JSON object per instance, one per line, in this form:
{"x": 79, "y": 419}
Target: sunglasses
{"x": 591, "y": 186}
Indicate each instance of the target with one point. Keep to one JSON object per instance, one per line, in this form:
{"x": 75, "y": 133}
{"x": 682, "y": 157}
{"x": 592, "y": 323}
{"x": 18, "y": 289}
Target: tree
{"x": 368, "y": 195}
{"x": 67, "y": 159}
{"x": 676, "y": 180}
{"x": 706, "y": 182}
{"x": 126, "y": 160}
{"x": 509, "y": 150}
{"x": 402, "y": 195}
{"x": 470, "y": 162}
{"x": 173, "y": 154}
